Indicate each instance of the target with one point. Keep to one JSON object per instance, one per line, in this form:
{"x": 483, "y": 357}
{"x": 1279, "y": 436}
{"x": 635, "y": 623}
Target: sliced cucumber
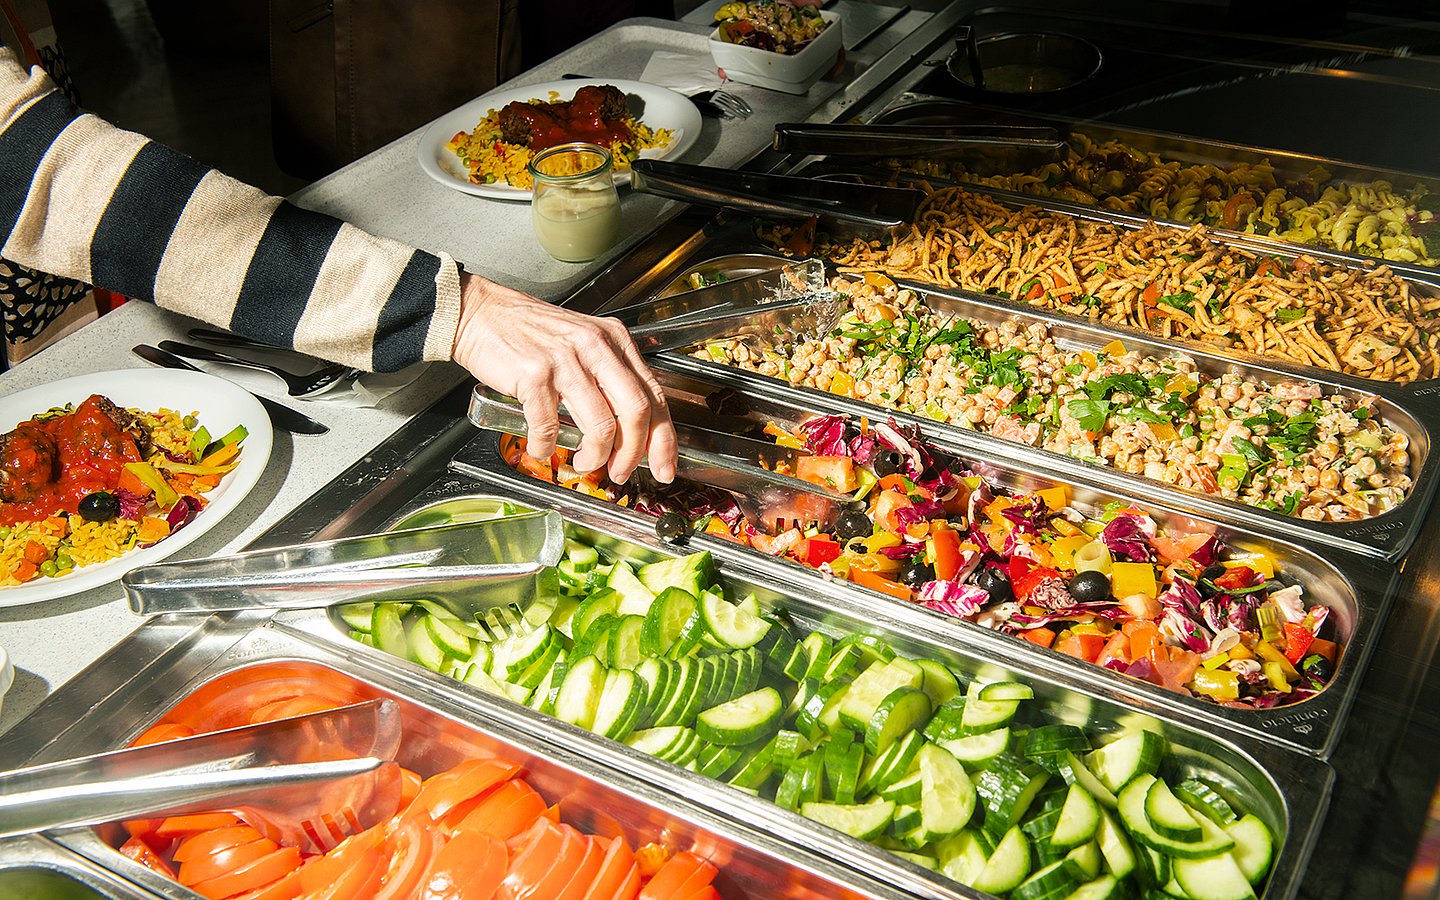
{"x": 358, "y": 616}
{"x": 1106, "y": 887}
{"x": 947, "y": 799}
{"x": 1131, "y": 807}
{"x": 818, "y": 650}
{"x": 843, "y": 762}
{"x": 580, "y": 693}
{"x": 619, "y": 705}
{"x": 787, "y": 747}
{"x": 871, "y": 647}
{"x": 977, "y": 750}
{"x": 387, "y": 627}
{"x": 1114, "y": 846}
{"x": 892, "y": 765}
{"x": 948, "y": 721}
{"x": 624, "y": 643}
{"x": 601, "y": 603}
{"x": 715, "y": 760}
{"x": 1213, "y": 878}
{"x": 1254, "y": 846}
{"x": 530, "y": 655}
{"x": 1079, "y": 820}
{"x": 663, "y": 742}
{"x": 1053, "y": 882}
{"x": 757, "y": 768}
{"x": 1169, "y": 816}
{"x": 656, "y": 673}
{"x": 1087, "y": 858}
{"x": 1205, "y": 800}
{"x": 904, "y": 710}
{"x": 673, "y": 620}
{"x": 907, "y": 790}
{"x": 940, "y": 682}
{"x": 842, "y": 664}
{"x": 983, "y": 715}
{"x": 423, "y": 648}
{"x": 633, "y": 597}
{"x": 679, "y": 695}
{"x": 1007, "y": 787}
{"x": 873, "y": 685}
{"x": 692, "y": 573}
{"x": 1007, "y": 866}
{"x": 1046, "y": 744}
{"x": 744, "y": 720}
{"x": 962, "y": 857}
{"x": 864, "y": 820}
{"x": 1133, "y": 754}
{"x": 1006, "y": 691}
{"x": 730, "y": 626}
{"x": 1076, "y": 772}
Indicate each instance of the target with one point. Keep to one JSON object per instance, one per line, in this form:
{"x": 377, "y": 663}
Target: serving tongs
{"x": 910, "y": 140}
{"x": 845, "y": 209}
{"x": 306, "y": 781}
{"x": 767, "y": 499}
{"x": 468, "y": 568}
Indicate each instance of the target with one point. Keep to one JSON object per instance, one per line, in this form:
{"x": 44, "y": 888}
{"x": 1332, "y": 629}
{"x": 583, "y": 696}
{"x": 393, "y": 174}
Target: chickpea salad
{"x": 1179, "y": 610}
{"x": 1283, "y": 447}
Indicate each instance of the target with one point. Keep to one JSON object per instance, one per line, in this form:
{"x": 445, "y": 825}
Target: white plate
{"x": 219, "y": 405}
{"x": 663, "y": 108}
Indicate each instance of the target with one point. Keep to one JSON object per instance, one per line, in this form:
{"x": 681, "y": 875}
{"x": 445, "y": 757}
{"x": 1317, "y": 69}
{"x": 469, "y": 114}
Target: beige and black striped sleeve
{"x": 84, "y": 199}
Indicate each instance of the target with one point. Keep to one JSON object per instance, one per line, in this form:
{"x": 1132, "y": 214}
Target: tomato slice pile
{"x": 477, "y": 831}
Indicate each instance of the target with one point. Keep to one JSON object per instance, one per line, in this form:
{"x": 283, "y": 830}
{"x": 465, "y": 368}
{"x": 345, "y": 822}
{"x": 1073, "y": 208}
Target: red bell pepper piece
{"x": 817, "y": 551}
{"x": 1029, "y": 577}
{"x": 1238, "y": 577}
{"x": 1042, "y": 636}
{"x": 945, "y": 544}
{"x": 1298, "y": 639}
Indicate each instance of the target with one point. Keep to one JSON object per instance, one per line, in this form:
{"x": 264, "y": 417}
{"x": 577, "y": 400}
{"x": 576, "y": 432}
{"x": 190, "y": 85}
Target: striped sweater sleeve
{"x": 84, "y": 199}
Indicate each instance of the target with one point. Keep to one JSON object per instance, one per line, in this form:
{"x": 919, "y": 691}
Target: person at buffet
{"x": 84, "y": 199}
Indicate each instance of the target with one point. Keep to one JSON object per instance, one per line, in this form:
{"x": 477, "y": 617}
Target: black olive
{"x": 1088, "y": 587}
{"x": 100, "y": 506}
{"x": 1207, "y": 578}
{"x": 917, "y": 573}
{"x": 958, "y": 523}
{"x": 671, "y": 526}
{"x": 1317, "y": 667}
{"x": 996, "y": 583}
{"x": 888, "y": 462}
{"x": 853, "y": 524}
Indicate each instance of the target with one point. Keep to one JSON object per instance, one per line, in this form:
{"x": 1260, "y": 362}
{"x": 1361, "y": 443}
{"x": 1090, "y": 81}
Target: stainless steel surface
{"x": 720, "y": 460}
{"x": 444, "y": 562}
{"x": 1288, "y": 790}
{"x": 302, "y": 386}
{"x": 287, "y": 779}
{"x": 844, "y": 209}
{"x": 1388, "y": 535}
{"x": 740, "y": 289}
{"x": 810, "y": 314}
{"x": 910, "y": 140}
{"x": 442, "y": 726}
{"x": 36, "y": 868}
{"x": 1024, "y": 62}
{"x": 281, "y": 416}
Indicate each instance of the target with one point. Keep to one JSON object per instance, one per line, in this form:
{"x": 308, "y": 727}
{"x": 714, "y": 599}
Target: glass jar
{"x": 575, "y": 208}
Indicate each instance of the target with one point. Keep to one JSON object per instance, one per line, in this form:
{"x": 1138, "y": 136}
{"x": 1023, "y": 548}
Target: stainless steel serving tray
{"x": 1287, "y": 789}
{"x": 1358, "y": 590}
{"x": 35, "y": 868}
{"x": 1409, "y": 408}
{"x": 441, "y": 728}
{"x": 922, "y": 109}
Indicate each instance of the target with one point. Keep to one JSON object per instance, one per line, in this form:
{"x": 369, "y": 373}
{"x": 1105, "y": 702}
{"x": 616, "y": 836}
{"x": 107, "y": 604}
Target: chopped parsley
{"x": 1289, "y": 314}
{"x": 1091, "y": 414}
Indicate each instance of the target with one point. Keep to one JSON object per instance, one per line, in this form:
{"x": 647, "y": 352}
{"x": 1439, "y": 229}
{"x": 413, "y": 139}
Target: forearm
{"x": 81, "y": 198}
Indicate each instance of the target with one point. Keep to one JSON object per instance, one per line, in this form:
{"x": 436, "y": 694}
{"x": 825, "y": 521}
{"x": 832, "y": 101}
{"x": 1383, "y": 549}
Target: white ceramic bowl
{"x": 792, "y": 73}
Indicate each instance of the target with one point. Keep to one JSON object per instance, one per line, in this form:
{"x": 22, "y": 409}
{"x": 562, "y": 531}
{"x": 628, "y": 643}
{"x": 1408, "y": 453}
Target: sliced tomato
{"x": 184, "y": 826}
{"x": 230, "y": 859}
{"x": 161, "y": 732}
{"x": 412, "y": 847}
{"x": 141, "y": 852}
{"x": 707, "y": 892}
{"x": 506, "y": 811}
{"x": 683, "y": 869}
{"x": 208, "y": 843}
{"x": 291, "y": 707}
{"x": 547, "y": 876}
{"x": 834, "y": 472}
{"x": 144, "y": 829}
{"x": 263, "y": 871}
{"x": 531, "y": 856}
{"x": 587, "y": 870}
{"x": 459, "y": 790}
{"x": 286, "y": 888}
{"x": 945, "y": 543}
{"x": 230, "y": 701}
{"x": 410, "y": 783}
{"x": 470, "y": 866}
{"x": 352, "y": 871}
{"x": 616, "y": 869}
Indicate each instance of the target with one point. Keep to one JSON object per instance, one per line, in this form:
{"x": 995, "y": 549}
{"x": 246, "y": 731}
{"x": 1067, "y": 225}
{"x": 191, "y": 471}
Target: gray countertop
{"x": 387, "y": 193}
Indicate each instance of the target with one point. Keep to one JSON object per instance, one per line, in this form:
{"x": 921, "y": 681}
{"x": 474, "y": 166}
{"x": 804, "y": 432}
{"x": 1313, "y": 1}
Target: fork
{"x": 724, "y": 104}
{"x": 300, "y": 386}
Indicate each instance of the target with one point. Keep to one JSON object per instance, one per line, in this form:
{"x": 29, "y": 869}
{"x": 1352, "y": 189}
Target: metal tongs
{"x": 306, "y": 781}
{"x": 845, "y": 209}
{"x": 909, "y": 140}
{"x": 444, "y": 563}
{"x": 725, "y": 461}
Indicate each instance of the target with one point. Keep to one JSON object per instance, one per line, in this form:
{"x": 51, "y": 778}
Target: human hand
{"x": 544, "y": 355}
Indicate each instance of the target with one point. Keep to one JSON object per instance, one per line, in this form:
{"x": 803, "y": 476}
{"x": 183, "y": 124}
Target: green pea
{"x": 63, "y": 560}
{"x": 48, "y": 568}
{"x": 190, "y": 422}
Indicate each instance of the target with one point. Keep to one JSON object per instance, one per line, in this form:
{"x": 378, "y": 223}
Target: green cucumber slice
{"x": 1205, "y": 800}
{"x": 1254, "y": 846}
{"x": 977, "y": 750}
{"x": 715, "y": 760}
{"x": 744, "y": 720}
{"x": 982, "y": 715}
{"x": 1007, "y": 866}
{"x": 634, "y": 598}
{"x": 962, "y": 857}
{"x": 1168, "y": 815}
{"x": 691, "y": 573}
{"x": 1212, "y": 878}
{"x": 1131, "y": 807}
{"x": 1053, "y": 882}
{"x": 619, "y": 705}
{"x": 891, "y": 765}
{"x": 873, "y": 685}
{"x": 580, "y": 692}
{"x": 1007, "y": 690}
{"x": 358, "y": 616}
{"x": 907, "y": 790}
{"x": 843, "y": 762}
{"x": 864, "y": 821}
{"x": 1087, "y": 858}
{"x": 624, "y": 643}
{"x": 1076, "y": 772}
{"x": 842, "y": 665}
{"x": 947, "y": 799}
{"x": 1079, "y": 820}
{"x": 1133, "y": 754}
{"x": 387, "y": 627}
{"x": 758, "y": 767}
{"x": 903, "y": 710}
{"x": 1114, "y": 846}
{"x": 730, "y": 626}
{"x": 674, "y": 618}
{"x": 601, "y": 603}
{"x": 1007, "y": 787}
{"x": 939, "y": 682}
{"x": 423, "y": 647}
{"x": 818, "y": 649}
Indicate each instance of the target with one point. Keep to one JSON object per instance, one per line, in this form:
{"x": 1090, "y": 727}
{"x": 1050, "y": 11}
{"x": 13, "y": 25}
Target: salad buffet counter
{"x": 1135, "y": 592}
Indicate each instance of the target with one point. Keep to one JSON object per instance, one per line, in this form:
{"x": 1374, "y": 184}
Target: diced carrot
{"x": 1143, "y": 640}
{"x": 35, "y": 552}
{"x": 880, "y": 583}
{"x": 1328, "y": 649}
{"x": 152, "y": 529}
{"x": 24, "y": 570}
{"x": 221, "y": 456}
{"x": 131, "y": 483}
{"x": 1042, "y": 636}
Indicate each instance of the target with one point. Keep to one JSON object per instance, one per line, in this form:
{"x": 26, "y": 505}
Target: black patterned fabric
{"x": 29, "y": 299}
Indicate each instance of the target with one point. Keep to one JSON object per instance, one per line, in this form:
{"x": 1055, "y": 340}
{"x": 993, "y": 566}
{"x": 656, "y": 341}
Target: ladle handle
{"x": 965, "y": 43}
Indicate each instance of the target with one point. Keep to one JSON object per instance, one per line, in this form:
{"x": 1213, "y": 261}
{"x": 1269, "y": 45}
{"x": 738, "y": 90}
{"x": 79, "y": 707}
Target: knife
{"x": 281, "y": 416}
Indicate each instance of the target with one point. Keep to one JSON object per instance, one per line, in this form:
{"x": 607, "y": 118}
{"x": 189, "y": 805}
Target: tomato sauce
{"x": 580, "y": 119}
{"x": 50, "y": 465}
